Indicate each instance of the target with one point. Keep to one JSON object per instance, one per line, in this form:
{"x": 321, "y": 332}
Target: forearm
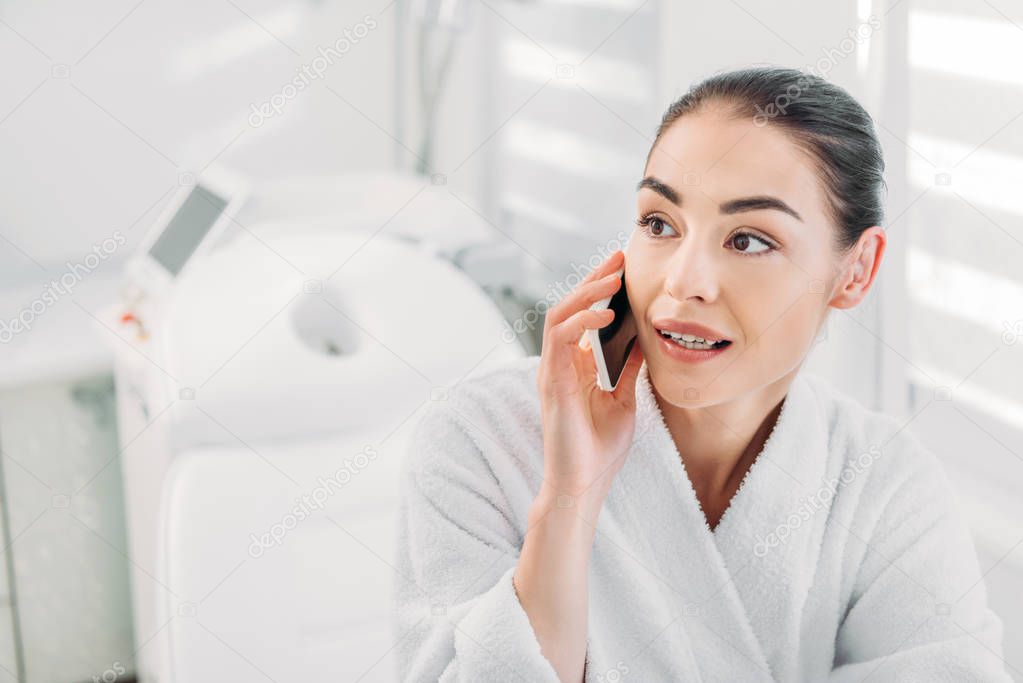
{"x": 551, "y": 579}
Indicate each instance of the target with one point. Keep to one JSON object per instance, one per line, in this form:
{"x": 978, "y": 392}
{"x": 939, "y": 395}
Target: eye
{"x": 653, "y": 226}
{"x": 743, "y": 240}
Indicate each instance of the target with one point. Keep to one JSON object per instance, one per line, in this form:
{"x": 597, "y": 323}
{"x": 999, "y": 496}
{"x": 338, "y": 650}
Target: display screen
{"x": 187, "y": 228}
{"x": 616, "y": 339}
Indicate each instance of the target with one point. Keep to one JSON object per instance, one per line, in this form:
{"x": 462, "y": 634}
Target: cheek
{"x": 780, "y": 319}
{"x": 640, "y": 295}
{"x": 641, "y": 279}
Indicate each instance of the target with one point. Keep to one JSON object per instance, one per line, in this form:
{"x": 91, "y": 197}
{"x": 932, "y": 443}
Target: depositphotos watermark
{"x": 832, "y": 56}
{"x": 557, "y": 290}
{"x": 1013, "y": 331}
{"x": 54, "y": 289}
{"x": 614, "y": 674}
{"x": 314, "y": 70}
{"x": 314, "y": 500}
{"x": 111, "y": 674}
{"x": 815, "y": 502}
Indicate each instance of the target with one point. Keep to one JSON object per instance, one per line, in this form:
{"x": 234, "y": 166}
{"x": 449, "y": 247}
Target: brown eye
{"x": 741, "y": 241}
{"x": 655, "y": 227}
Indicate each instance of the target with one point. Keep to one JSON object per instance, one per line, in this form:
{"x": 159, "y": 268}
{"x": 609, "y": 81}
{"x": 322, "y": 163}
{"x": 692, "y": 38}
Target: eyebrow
{"x": 731, "y": 206}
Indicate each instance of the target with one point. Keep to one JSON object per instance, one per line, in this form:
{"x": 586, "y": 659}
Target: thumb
{"x": 625, "y": 392}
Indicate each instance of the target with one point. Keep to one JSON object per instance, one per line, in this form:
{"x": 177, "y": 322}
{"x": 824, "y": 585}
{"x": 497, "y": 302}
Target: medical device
{"x": 188, "y": 226}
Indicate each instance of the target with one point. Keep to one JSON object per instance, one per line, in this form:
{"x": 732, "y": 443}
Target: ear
{"x": 859, "y": 268}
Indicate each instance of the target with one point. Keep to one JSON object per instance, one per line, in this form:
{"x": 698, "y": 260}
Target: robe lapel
{"x": 713, "y": 632}
{"x": 770, "y": 536}
{"x": 740, "y": 589}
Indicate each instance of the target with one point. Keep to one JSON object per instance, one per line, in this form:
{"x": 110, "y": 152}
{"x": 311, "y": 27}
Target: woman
{"x": 720, "y": 516}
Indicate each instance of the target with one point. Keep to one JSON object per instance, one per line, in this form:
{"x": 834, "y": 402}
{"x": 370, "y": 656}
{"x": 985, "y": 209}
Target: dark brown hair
{"x": 820, "y": 117}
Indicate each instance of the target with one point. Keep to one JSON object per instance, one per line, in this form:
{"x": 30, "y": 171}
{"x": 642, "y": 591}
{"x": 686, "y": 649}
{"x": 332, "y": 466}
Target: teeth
{"x": 690, "y": 342}
{"x": 688, "y": 337}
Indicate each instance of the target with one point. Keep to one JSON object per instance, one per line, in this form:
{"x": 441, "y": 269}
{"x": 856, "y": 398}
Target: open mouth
{"x": 694, "y": 342}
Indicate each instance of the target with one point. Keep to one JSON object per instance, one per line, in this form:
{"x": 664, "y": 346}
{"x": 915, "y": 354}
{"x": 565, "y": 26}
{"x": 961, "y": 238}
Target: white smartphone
{"x": 612, "y": 343}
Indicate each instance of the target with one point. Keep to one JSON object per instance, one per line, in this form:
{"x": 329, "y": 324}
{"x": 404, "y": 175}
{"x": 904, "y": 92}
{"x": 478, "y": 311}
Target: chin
{"x": 683, "y": 386}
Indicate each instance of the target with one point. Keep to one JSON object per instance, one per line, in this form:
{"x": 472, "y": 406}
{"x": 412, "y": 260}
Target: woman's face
{"x": 756, "y": 274}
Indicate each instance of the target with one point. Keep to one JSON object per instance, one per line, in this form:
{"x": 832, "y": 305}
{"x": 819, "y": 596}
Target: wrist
{"x": 586, "y": 490}
{"x": 557, "y": 536}
{"x": 567, "y": 505}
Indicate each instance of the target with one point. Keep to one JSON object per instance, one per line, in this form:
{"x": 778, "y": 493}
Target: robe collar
{"x": 746, "y": 581}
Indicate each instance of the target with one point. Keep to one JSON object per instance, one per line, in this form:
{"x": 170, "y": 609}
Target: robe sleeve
{"x": 918, "y": 609}
{"x": 457, "y": 616}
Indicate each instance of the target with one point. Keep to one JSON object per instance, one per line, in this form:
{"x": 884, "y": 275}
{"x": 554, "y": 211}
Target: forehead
{"x": 727, "y": 158}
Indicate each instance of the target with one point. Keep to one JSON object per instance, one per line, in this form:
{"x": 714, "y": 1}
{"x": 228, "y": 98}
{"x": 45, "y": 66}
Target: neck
{"x": 718, "y": 443}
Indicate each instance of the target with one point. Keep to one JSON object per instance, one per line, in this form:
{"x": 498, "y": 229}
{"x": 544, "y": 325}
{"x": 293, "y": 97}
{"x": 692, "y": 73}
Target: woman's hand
{"x": 586, "y": 435}
{"x": 586, "y": 431}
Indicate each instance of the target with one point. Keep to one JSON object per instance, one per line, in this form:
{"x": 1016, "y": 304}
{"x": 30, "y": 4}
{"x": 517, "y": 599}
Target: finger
{"x": 608, "y": 267}
{"x": 563, "y": 369}
{"x": 586, "y": 365}
{"x": 564, "y": 339}
{"x": 583, "y": 296}
{"x": 572, "y": 330}
{"x": 625, "y": 392}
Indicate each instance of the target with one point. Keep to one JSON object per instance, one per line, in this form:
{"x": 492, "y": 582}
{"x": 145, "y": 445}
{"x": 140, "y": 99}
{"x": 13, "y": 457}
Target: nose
{"x": 692, "y": 272}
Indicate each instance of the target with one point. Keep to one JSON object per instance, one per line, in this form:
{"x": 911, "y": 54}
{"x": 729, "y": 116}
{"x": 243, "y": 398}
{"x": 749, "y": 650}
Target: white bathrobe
{"x": 841, "y": 556}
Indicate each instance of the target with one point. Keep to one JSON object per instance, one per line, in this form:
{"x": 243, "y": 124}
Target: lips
{"x": 692, "y": 328}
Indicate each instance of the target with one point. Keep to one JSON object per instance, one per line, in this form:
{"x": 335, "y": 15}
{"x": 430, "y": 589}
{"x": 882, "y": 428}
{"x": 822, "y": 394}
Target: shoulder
{"x": 897, "y": 521}
{"x": 489, "y": 421}
{"x": 501, "y": 401}
{"x": 879, "y": 461}
{"x": 854, "y": 429}
{"x": 510, "y": 383}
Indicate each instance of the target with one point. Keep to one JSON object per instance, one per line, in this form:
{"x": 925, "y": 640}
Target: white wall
{"x": 105, "y": 104}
